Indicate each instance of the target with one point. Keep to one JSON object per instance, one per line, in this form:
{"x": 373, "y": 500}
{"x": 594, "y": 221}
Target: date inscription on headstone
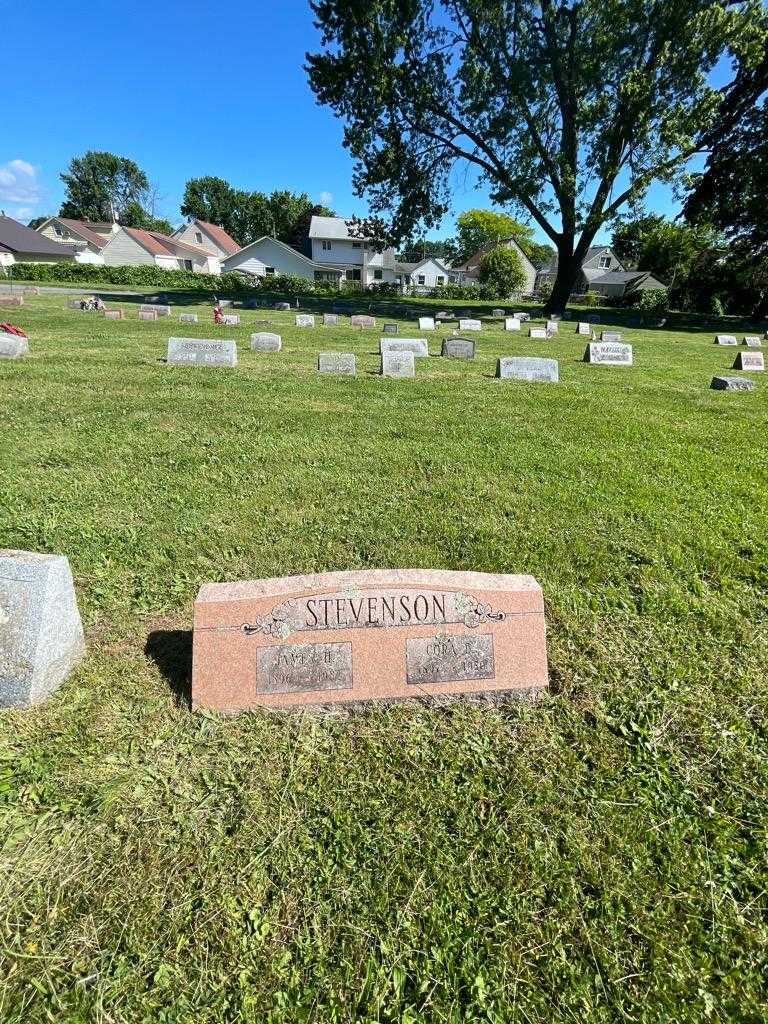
{"x": 299, "y": 668}
{"x": 446, "y": 658}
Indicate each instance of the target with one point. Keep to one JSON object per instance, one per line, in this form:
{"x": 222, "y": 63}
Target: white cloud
{"x": 325, "y": 198}
{"x": 19, "y": 184}
{"x": 22, "y": 212}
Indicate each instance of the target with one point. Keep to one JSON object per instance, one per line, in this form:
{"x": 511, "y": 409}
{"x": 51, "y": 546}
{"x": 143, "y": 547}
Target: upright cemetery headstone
{"x": 188, "y": 318}
{"x": 398, "y": 364}
{"x": 553, "y": 326}
{"x": 374, "y": 634}
{"x": 342, "y": 363}
{"x": 305, "y": 320}
{"x": 12, "y": 346}
{"x": 251, "y": 304}
{"x": 201, "y": 352}
{"x": 113, "y": 314}
{"x": 225, "y": 303}
{"x": 522, "y": 316}
{"x": 612, "y": 353}
{"x": 41, "y": 635}
{"x": 498, "y": 313}
{"x": 610, "y": 336}
{"x": 390, "y": 328}
{"x": 584, "y": 328}
{"x": 418, "y": 346}
{"x": 752, "y": 341}
{"x": 732, "y": 384}
{"x": 282, "y": 305}
{"x": 265, "y": 341}
{"x": 426, "y": 323}
{"x": 158, "y": 310}
{"x": 330, "y": 319}
{"x": 512, "y": 323}
{"x": 466, "y": 324}
{"x": 361, "y": 320}
{"x": 537, "y": 332}
{"x": 752, "y": 361}
{"x": 230, "y": 320}
{"x": 458, "y": 348}
{"x": 725, "y": 339}
{"x": 444, "y": 314}
{"x": 528, "y": 368}
{"x": 147, "y": 314}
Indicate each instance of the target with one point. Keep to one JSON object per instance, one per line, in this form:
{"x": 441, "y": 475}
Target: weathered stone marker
{"x": 752, "y": 341}
{"x": 512, "y": 323}
{"x": 528, "y": 368}
{"x": 389, "y": 328}
{"x": 361, "y": 320}
{"x": 305, "y": 320}
{"x": 188, "y": 318}
{"x": 732, "y": 384}
{"x": 11, "y": 300}
{"x": 498, "y": 313}
{"x": 282, "y": 305}
{"x": 725, "y": 339}
{"x": 537, "y": 332}
{"x": 376, "y": 634}
{"x": 612, "y": 353}
{"x": 159, "y": 310}
{"x": 41, "y": 636}
{"x": 113, "y": 314}
{"x": 426, "y": 323}
{"x": 610, "y": 336}
{"x": 398, "y": 364}
{"x": 418, "y": 346}
{"x": 330, "y": 319}
{"x": 749, "y": 361}
{"x": 266, "y": 341}
{"x": 470, "y": 325}
{"x": 342, "y": 363}
{"x": 553, "y": 326}
{"x": 12, "y": 346}
{"x": 230, "y": 320}
{"x": 147, "y": 314}
{"x": 201, "y": 352}
{"x": 584, "y": 328}
{"x": 458, "y": 348}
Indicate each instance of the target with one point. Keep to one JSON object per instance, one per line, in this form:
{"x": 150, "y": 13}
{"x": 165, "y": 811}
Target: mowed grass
{"x": 599, "y": 856}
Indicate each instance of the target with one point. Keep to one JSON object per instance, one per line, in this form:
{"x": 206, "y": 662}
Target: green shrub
{"x": 154, "y": 277}
{"x": 501, "y": 273}
{"x": 545, "y": 289}
{"x": 716, "y": 306}
{"x": 455, "y": 291}
{"x": 654, "y": 300}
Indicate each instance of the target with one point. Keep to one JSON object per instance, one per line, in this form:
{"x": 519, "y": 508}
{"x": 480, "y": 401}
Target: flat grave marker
{"x": 752, "y": 361}
{"x": 41, "y": 635}
{"x": 418, "y": 346}
{"x": 458, "y": 348}
{"x": 201, "y": 352}
{"x": 723, "y": 383}
{"x": 266, "y": 341}
{"x": 528, "y": 368}
{"x": 375, "y": 634}
{"x": 342, "y": 363}
{"x": 611, "y": 353}
{"x": 398, "y": 364}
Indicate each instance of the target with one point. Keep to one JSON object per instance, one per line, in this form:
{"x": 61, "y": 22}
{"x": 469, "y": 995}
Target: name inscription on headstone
{"x": 202, "y": 352}
{"x": 366, "y": 635}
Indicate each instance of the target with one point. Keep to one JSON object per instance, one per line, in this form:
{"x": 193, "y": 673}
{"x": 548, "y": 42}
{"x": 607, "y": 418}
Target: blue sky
{"x": 184, "y": 89}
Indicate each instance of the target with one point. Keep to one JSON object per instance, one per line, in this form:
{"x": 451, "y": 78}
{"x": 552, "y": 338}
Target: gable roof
{"x": 162, "y": 245}
{"x": 15, "y": 237}
{"x": 219, "y": 236}
{"x": 473, "y": 263}
{"x": 626, "y": 277}
{"x": 283, "y": 245}
{"x": 333, "y": 228}
{"x": 431, "y": 259}
{"x": 78, "y": 227}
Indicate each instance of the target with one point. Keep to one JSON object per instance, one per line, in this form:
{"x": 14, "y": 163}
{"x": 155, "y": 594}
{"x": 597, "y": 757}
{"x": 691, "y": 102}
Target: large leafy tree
{"x": 101, "y": 185}
{"x": 476, "y": 229}
{"x": 414, "y": 252}
{"x": 670, "y": 250}
{"x": 568, "y": 110}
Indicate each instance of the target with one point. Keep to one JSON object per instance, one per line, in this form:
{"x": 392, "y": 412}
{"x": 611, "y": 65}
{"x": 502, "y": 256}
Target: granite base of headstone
{"x": 752, "y": 361}
{"x": 41, "y": 635}
{"x": 347, "y": 637}
{"x": 732, "y": 384}
{"x": 528, "y": 368}
{"x": 266, "y": 341}
{"x": 340, "y": 363}
{"x": 458, "y": 348}
{"x": 12, "y": 346}
{"x": 201, "y": 352}
{"x": 418, "y": 346}
{"x": 398, "y": 364}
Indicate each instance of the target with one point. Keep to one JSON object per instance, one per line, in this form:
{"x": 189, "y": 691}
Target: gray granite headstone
{"x": 537, "y": 332}
{"x": 282, "y": 305}
{"x": 330, "y": 319}
{"x": 230, "y": 320}
{"x": 159, "y": 310}
{"x": 426, "y": 323}
{"x": 749, "y": 361}
{"x": 458, "y": 348}
{"x": 265, "y": 341}
{"x": 610, "y": 336}
{"x": 113, "y": 314}
{"x": 725, "y": 339}
{"x": 522, "y": 316}
{"x": 188, "y": 318}
{"x": 12, "y": 346}
{"x": 41, "y": 635}
{"x": 398, "y": 364}
{"x": 552, "y": 326}
{"x": 201, "y": 352}
{"x": 343, "y": 363}
{"x": 305, "y": 320}
{"x": 612, "y": 353}
{"x": 752, "y": 341}
{"x": 498, "y": 313}
{"x": 732, "y": 384}
{"x": 584, "y": 328}
{"x": 418, "y": 346}
{"x": 390, "y": 328}
{"x": 470, "y": 325}
{"x": 361, "y": 320}
{"x": 528, "y": 368}
{"x": 147, "y": 314}
{"x": 512, "y": 323}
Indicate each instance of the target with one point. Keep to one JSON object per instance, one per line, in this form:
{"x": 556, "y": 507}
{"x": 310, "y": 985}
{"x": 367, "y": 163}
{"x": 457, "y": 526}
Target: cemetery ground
{"x": 597, "y": 856}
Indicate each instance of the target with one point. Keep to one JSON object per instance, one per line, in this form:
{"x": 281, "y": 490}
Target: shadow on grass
{"x": 171, "y": 651}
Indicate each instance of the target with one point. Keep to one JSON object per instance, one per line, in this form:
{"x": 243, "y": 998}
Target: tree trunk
{"x": 568, "y": 268}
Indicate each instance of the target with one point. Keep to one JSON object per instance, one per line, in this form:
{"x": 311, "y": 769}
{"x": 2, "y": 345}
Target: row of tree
{"x": 476, "y": 230}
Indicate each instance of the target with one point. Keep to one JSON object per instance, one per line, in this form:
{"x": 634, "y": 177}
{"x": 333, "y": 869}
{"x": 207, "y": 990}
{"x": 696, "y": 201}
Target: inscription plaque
{"x": 373, "y": 634}
{"x": 446, "y": 658}
{"x": 201, "y": 352}
{"x": 302, "y": 668}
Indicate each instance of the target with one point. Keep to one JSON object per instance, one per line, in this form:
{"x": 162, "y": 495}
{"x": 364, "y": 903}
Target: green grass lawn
{"x": 599, "y": 856}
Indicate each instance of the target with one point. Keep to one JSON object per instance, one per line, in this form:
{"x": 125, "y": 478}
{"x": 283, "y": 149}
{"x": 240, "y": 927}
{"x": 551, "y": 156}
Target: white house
{"x": 468, "y": 272}
{"x": 211, "y": 237}
{"x": 268, "y": 256}
{"x": 20, "y": 244}
{"x": 87, "y": 238}
{"x": 137, "y": 247}
{"x": 419, "y": 278}
{"x": 335, "y": 248}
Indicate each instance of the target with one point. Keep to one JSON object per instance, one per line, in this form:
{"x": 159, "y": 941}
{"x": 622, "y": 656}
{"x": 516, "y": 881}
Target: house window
{"x": 353, "y": 275}
{"x": 420, "y": 279}
{"x": 355, "y": 245}
{"x": 269, "y": 271}
{"x": 58, "y": 230}
{"x": 327, "y": 246}
{"x": 377, "y": 275}
{"x": 605, "y": 262}
{"x": 199, "y": 237}
{"x": 440, "y": 279}
{"x": 188, "y": 265}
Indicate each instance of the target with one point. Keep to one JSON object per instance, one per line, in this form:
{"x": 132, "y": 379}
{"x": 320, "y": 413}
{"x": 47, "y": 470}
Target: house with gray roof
{"x": 604, "y": 273}
{"x": 20, "y": 244}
